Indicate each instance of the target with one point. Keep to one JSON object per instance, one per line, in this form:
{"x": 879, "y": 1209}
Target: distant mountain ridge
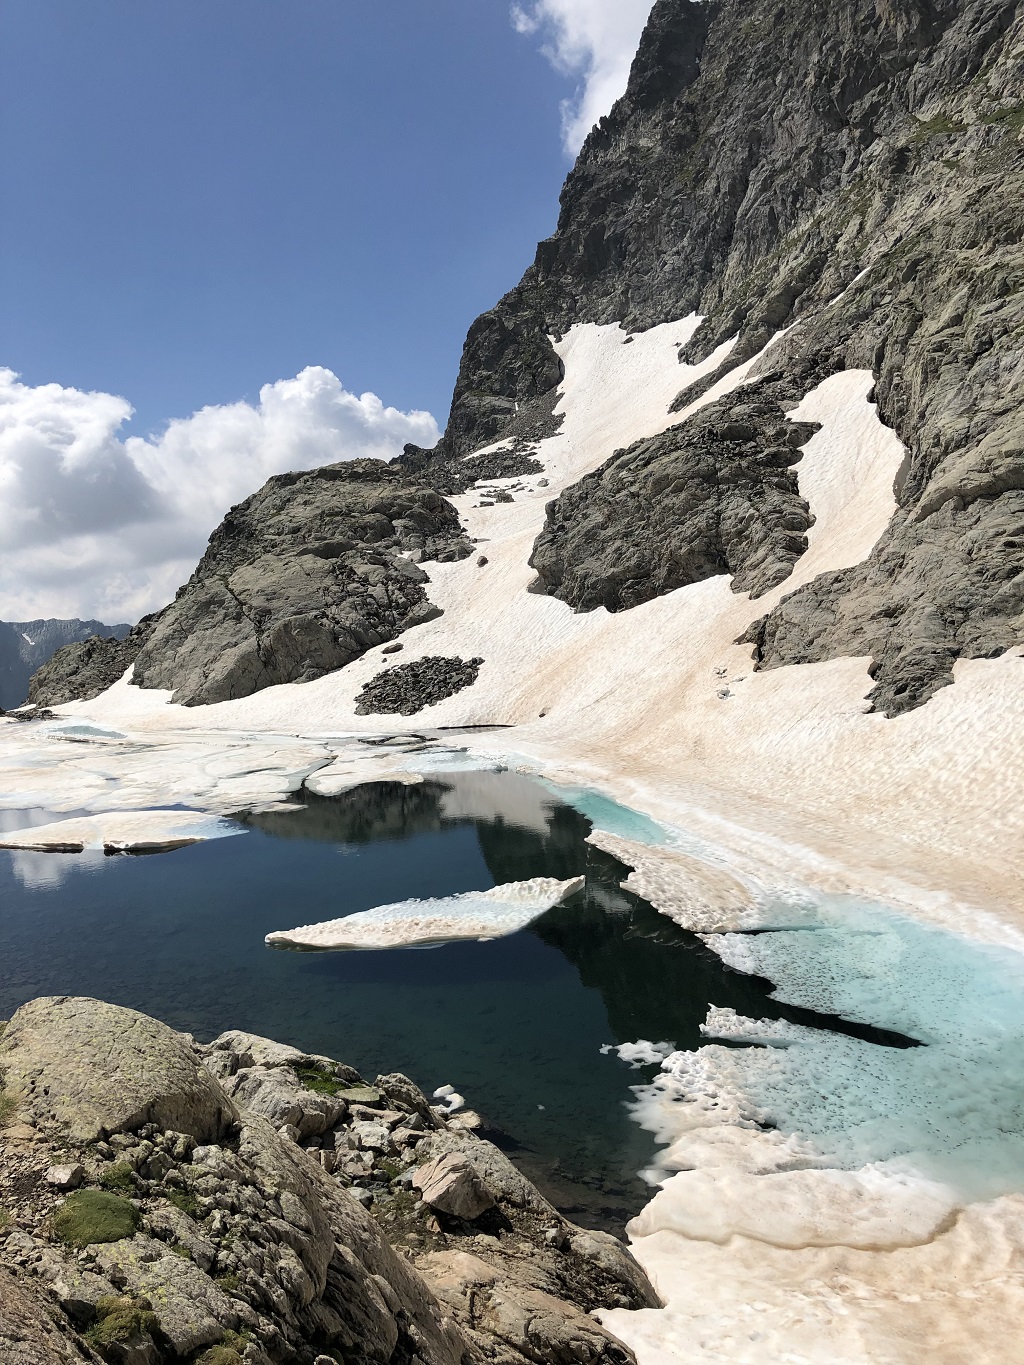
{"x": 27, "y": 645}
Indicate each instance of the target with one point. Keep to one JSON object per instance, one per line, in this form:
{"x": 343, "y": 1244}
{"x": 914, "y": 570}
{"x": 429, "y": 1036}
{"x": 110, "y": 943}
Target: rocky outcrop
{"x": 452, "y": 475}
{"x": 298, "y": 580}
{"x": 84, "y": 669}
{"x": 716, "y": 495}
{"x": 759, "y": 162}
{"x": 410, "y": 687}
{"x": 29, "y": 1334}
{"x": 248, "y": 1202}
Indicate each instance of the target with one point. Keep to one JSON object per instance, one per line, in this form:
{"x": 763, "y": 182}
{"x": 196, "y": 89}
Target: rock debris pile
{"x": 248, "y": 1202}
{"x": 410, "y": 687}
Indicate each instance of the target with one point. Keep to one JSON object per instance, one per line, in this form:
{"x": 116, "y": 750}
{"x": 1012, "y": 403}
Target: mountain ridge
{"x": 848, "y": 194}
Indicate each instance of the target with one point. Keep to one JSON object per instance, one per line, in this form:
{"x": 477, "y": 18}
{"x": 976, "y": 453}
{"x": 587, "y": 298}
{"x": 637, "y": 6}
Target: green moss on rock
{"x": 320, "y": 1082}
{"x": 90, "y": 1216}
{"x": 121, "y": 1320}
{"x": 119, "y": 1178}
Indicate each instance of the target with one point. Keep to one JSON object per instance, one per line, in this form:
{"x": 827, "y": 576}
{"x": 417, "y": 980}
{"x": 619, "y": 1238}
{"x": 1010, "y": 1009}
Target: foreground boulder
{"x": 450, "y": 1184}
{"x": 82, "y": 1069}
{"x": 249, "y": 1202}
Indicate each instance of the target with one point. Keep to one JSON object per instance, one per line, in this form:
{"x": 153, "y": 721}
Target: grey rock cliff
{"x": 760, "y": 160}
{"x": 853, "y": 173}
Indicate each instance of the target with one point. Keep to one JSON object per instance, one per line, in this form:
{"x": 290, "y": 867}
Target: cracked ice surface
{"x": 475, "y": 914}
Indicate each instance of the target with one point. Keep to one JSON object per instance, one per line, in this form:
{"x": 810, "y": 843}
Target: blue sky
{"x": 205, "y": 195}
{"x": 260, "y": 210}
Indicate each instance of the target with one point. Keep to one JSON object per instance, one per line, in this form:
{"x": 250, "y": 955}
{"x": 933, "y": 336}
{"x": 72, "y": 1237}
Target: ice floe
{"x": 140, "y": 831}
{"x": 474, "y": 915}
{"x": 882, "y": 1184}
{"x": 641, "y": 1053}
{"x": 449, "y": 1099}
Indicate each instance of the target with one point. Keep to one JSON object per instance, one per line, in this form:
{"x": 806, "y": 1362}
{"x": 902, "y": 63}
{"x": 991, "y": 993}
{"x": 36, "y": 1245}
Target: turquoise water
{"x": 516, "y": 1025}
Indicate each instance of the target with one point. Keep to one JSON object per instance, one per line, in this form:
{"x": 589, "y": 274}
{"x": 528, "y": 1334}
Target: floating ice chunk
{"x": 450, "y": 1099}
{"x": 122, "y": 831}
{"x": 475, "y": 914}
{"x": 697, "y": 895}
{"x": 641, "y": 1053}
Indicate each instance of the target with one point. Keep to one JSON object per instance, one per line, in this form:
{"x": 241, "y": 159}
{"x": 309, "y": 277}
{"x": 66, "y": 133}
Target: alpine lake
{"x": 516, "y": 1024}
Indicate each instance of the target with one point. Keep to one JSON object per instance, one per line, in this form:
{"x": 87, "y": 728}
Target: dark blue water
{"x": 516, "y": 1024}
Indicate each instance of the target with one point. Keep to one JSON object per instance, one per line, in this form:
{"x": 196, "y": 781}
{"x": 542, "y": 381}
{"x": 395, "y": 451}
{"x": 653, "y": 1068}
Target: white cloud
{"x": 92, "y": 524}
{"x": 592, "y": 40}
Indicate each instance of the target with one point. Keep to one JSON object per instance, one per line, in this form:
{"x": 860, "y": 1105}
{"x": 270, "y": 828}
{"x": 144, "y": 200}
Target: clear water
{"x": 516, "y": 1024}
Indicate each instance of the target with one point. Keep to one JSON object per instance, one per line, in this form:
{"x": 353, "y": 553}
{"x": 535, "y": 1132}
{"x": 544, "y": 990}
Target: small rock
{"x": 360, "y": 1094}
{"x": 467, "y": 1119}
{"x": 22, "y": 1132}
{"x": 392, "y": 649}
{"x": 65, "y": 1177}
{"x": 361, "y": 1196}
{"x": 481, "y": 561}
{"x": 451, "y": 1185}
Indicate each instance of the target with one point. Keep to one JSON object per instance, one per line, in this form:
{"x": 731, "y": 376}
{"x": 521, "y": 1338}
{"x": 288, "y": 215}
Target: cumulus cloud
{"x": 96, "y": 524}
{"x": 593, "y": 41}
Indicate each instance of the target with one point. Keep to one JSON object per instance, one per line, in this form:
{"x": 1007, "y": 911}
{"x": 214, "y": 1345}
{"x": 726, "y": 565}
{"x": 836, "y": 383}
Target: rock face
{"x": 451, "y": 475}
{"x": 80, "y": 1068}
{"x": 28, "y": 1333}
{"x": 410, "y": 687}
{"x": 709, "y": 497}
{"x": 274, "y": 1219}
{"x": 759, "y": 161}
{"x": 298, "y": 580}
